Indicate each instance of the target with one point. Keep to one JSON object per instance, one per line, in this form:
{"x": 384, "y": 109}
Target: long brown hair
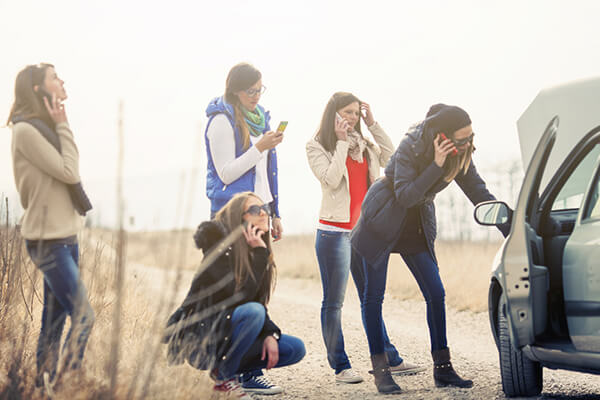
{"x": 231, "y": 216}
{"x": 241, "y": 77}
{"x": 27, "y": 104}
{"x": 326, "y": 134}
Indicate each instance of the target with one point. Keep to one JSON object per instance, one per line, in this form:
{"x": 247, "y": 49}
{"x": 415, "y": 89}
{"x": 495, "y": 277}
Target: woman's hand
{"x": 270, "y": 349}
{"x": 269, "y": 140}
{"x": 253, "y": 236}
{"x": 442, "y": 147}
{"x": 366, "y": 114}
{"x": 56, "y": 109}
{"x": 341, "y": 128}
{"x": 277, "y": 229}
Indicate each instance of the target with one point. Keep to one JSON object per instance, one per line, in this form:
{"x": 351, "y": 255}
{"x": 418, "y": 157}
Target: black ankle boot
{"x": 444, "y": 374}
{"x": 383, "y": 378}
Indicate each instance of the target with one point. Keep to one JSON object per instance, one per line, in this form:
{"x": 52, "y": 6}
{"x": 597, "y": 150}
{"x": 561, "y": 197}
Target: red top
{"x": 358, "y": 174}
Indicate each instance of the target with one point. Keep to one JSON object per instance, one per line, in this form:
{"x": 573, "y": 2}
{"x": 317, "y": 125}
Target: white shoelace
{"x": 263, "y": 380}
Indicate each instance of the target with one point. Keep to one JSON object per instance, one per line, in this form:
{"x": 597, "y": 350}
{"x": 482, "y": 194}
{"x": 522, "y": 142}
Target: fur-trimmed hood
{"x": 208, "y": 234}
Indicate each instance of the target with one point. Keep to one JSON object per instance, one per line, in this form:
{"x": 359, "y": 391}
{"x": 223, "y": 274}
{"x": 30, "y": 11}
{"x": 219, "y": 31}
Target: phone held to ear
{"x": 338, "y": 117}
{"x": 41, "y": 93}
{"x": 454, "y": 151}
{"x": 281, "y": 127}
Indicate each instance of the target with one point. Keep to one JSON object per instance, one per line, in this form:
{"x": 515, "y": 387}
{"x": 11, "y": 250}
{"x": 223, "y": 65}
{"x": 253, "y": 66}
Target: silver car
{"x": 544, "y": 297}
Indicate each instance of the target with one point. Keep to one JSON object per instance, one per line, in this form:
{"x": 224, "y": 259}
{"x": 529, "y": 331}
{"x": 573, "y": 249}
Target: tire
{"x": 520, "y": 375}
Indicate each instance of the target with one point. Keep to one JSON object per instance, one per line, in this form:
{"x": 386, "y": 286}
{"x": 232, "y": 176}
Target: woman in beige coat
{"x": 346, "y": 164}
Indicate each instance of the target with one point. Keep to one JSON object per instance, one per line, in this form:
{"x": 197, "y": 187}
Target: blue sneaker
{"x": 258, "y": 384}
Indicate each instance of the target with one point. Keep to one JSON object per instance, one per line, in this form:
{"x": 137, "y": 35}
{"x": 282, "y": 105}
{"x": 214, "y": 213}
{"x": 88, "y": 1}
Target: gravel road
{"x": 295, "y": 307}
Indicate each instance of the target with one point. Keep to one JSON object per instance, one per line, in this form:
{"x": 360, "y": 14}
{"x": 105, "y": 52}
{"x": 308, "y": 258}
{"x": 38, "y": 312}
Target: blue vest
{"x": 217, "y": 191}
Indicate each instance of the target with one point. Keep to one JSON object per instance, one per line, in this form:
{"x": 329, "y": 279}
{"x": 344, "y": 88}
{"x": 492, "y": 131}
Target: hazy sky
{"x": 166, "y": 60}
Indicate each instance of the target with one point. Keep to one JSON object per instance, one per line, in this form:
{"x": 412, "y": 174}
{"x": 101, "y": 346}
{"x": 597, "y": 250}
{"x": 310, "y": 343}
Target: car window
{"x": 593, "y": 205}
{"x": 571, "y": 194}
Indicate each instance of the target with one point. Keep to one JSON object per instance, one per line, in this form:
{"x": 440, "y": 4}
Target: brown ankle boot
{"x": 444, "y": 374}
{"x": 383, "y": 378}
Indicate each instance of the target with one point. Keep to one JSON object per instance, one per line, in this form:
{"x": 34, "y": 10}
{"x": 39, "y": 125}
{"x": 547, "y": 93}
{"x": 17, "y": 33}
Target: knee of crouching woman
{"x": 251, "y": 312}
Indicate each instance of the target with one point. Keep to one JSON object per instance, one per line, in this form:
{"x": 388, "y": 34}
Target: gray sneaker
{"x": 348, "y": 376}
{"x": 406, "y": 368}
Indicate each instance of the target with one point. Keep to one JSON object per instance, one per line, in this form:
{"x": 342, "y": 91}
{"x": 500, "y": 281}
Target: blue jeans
{"x": 336, "y": 258}
{"x": 64, "y": 294}
{"x": 246, "y": 346}
{"x": 425, "y": 270}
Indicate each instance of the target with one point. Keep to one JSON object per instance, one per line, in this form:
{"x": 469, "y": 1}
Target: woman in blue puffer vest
{"x": 398, "y": 216}
{"x": 240, "y": 149}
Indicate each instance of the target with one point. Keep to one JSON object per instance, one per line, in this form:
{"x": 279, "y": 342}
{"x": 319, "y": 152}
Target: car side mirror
{"x": 493, "y": 213}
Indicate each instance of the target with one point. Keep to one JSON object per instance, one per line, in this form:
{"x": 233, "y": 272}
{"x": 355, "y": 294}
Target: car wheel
{"x": 520, "y": 375}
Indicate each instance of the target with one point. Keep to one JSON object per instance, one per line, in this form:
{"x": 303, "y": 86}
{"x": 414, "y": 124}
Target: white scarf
{"x": 357, "y": 146}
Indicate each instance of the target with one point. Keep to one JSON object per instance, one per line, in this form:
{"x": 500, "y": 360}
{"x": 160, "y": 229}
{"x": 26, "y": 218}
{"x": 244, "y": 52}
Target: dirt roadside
{"x": 295, "y": 307}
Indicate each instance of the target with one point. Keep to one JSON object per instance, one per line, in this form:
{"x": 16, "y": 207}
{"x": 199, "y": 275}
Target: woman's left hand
{"x": 366, "y": 113}
{"x": 270, "y": 349}
{"x": 254, "y": 236}
{"x": 277, "y": 230}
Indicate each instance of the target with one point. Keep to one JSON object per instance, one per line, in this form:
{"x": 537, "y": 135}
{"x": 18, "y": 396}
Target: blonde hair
{"x": 454, "y": 165}
{"x": 231, "y": 216}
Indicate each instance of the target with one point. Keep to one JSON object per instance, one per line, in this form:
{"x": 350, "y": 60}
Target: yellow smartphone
{"x": 282, "y": 126}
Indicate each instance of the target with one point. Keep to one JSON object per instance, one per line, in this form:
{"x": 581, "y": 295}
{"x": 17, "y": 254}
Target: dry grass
{"x": 464, "y": 266}
{"x": 142, "y": 368}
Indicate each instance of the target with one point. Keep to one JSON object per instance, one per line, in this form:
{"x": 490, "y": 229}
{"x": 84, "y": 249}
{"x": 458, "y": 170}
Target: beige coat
{"x": 330, "y": 170}
{"x": 41, "y": 176}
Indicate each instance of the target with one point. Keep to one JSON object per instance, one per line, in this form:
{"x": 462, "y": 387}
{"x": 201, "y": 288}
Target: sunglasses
{"x": 462, "y": 142}
{"x": 254, "y": 92}
{"x": 255, "y": 210}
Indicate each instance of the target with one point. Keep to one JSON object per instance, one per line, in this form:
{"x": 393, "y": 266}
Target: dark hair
{"x": 326, "y": 134}
{"x": 27, "y": 104}
{"x": 241, "y": 77}
{"x": 448, "y": 119}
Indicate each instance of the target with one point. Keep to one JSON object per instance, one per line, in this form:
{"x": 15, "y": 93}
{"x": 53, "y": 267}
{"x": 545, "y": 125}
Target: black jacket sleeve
{"x": 410, "y": 186}
{"x": 269, "y": 328}
{"x": 475, "y": 189}
{"x": 473, "y": 186}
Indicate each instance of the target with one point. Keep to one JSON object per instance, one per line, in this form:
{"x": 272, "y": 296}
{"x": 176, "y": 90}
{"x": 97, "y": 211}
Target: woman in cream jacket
{"x": 346, "y": 164}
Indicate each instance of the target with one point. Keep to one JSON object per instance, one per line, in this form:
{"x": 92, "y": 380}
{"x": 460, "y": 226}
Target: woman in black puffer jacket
{"x": 223, "y": 325}
{"x": 398, "y": 216}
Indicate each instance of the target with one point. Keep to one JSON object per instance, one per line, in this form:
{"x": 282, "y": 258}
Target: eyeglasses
{"x": 254, "y": 92}
{"x": 462, "y": 142}
{"x": 255, "y": 210}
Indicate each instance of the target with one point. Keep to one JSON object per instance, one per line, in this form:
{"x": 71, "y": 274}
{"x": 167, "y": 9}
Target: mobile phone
{"x": 454, "y": 151}
{"x": 282, "y": 126}
{"x": 338, "y": 117}
{"x": 41, "y": 93}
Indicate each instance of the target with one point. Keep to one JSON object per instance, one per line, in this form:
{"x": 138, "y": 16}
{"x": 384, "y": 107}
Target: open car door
{"x": 525, "y": 278}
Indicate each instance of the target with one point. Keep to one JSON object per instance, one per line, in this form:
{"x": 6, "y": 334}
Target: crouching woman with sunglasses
{"x": 223, "y": 324}
{"x": 398, "y": 216}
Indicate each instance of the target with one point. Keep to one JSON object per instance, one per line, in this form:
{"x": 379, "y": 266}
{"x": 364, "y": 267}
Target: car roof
{"x": 577, "y": 105}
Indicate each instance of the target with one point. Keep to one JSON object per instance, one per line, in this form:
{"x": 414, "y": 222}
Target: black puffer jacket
{"x": 411, "y": 179}
{"x": 199, "y": 331}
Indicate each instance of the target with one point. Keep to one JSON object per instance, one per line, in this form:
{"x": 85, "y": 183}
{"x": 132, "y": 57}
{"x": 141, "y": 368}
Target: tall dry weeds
{"x": 142, "y": 371}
